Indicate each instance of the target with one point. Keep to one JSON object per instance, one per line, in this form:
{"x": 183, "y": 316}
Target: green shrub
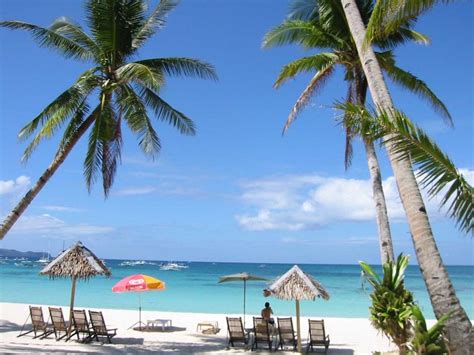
{"x": 392, "y": 303}
{"x": 427, "y": 341}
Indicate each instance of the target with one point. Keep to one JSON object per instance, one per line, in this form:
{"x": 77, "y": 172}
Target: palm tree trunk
{"x": 385, "y": 236}
{"x": 61, "y": 155}
{"x": 441, "y": 291}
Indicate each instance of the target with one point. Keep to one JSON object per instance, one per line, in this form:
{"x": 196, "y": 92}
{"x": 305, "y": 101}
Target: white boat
{"x": 44, "y": 260}
{"x": 134, "y": 263}
{"x": 173, "y": 266}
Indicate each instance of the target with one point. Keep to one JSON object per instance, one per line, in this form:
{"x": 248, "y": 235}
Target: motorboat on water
{"x": 133, "y": 263}
{"x": 172, "y": 266}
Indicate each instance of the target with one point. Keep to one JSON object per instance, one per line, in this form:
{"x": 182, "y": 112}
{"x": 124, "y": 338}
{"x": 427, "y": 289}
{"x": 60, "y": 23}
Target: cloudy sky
{"x": 238, "y": 191}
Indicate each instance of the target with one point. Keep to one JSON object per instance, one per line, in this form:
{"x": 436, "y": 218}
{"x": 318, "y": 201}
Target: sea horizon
{"x": 195, "y": 288}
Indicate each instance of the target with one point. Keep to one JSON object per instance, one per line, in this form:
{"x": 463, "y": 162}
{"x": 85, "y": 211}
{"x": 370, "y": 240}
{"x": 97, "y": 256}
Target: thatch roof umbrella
{"x": 77, "y": 262}
{"x": 296, "y": 285}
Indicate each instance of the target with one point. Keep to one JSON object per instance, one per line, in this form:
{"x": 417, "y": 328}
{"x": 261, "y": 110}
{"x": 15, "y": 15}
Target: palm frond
{"x": 401, "y": 36}
{"x": 59, "y": 111}
{"x": 304, "y": 33}
{"x": 140, "y": 73}
{"x": 316, "y": 82}
{"x": 73, "y": 31}
{"x": 389, "y": 15}
{"x": 111, "y": 154}
{"x": 134, "y": 112}
{"x": 166, "y": 112}
{"x": 436, "y": 171}
{"x": 99, "y": 136}
{"x": 415, "y": 85}
{"x": 50, "y": 38}
{"x": 74, "y": 123}
{"x": 154, "y": 22}
{"x": 181, "y": 67}
{"x": 113, "y": 24}
{"x": 306, "y": 64}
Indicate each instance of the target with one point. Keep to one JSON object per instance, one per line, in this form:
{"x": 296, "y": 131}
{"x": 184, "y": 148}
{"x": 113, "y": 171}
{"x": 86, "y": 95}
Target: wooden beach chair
{"x": 286, "y": 333}
{"x": 317, "y": 335}
{"x": 262, "y": 333}
{"x": 59, "y": 324}
{"x": 99, "y": 328}
{"x": 236, "y": 331}
{"x": 40, "y": 328}
{"x": 80, "y": 326}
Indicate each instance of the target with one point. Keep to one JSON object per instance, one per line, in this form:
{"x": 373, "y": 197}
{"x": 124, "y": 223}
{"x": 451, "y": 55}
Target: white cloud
{"x": 55, "y": 208}
{"x": 135, "y": 191}
{"x": 163, "y": 189}
{"x": 14, "y": 187}
{"x": 50, "y": 226}
{"x": 299, "y": 202}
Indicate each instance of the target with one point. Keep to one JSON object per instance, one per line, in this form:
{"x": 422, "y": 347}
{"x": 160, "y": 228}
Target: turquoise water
{"x": 195, "y": 289}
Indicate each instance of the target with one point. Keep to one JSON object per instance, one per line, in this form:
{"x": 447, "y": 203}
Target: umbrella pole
{"x": 298, "y": 328}
{"x": 139, "y": 312}
{"x": 245, "y": 292}
{"x": 71, "y": 306}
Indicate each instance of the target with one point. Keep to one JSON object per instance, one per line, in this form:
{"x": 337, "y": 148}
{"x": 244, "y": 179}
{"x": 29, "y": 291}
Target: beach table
{"x": 163, "y": 323}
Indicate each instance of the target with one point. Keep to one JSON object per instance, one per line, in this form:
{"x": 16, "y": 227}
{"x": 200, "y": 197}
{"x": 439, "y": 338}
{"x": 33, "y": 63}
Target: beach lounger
{"x": 236, "y": 331}
{"x": 286, "y": 333}
{"x": 317, "y": 335}
{"x": 262, "y": 333}
{"x": 40, "y": 328}
{"x": 99, "y": 328}
{"x": 80, "y": 326}
{"x": 59, "y": 324}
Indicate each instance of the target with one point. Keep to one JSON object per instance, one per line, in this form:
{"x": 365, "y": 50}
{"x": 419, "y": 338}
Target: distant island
{"x": 11, "y": 253}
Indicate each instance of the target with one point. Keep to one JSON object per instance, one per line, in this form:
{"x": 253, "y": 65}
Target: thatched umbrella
{"x": 296, "y": 285}
{"x": 77, "y": 262}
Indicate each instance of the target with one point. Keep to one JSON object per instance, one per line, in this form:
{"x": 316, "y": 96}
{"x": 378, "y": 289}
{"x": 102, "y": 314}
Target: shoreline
{"x": 348, "y": 335}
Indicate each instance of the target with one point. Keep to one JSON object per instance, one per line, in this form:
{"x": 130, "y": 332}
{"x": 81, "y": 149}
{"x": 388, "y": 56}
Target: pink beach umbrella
{"x": 138, "y": 283}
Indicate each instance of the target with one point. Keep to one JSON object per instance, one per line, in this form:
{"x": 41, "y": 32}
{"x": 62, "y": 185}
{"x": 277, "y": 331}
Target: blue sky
{"x": 238, "y": 191}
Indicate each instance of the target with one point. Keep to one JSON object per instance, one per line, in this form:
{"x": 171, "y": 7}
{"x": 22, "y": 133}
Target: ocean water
{"x": 196, "y": 289}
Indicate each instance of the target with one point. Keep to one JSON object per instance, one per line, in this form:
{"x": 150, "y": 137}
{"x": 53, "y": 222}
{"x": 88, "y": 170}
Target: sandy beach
{"x": 348, "y": 335}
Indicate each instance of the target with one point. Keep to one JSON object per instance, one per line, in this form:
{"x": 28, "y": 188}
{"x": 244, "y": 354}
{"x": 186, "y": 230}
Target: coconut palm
{"x": 321, "y": 25}
{"x": 440, "y": 289}
{"x": 117, "y": 89}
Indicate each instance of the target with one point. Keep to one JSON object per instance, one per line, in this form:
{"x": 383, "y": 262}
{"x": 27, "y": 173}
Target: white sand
{"x": 348, "y": 335}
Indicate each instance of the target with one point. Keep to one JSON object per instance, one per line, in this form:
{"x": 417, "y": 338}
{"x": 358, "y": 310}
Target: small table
{"x": 206, "y": 325}
{"x": 164, "y": 323}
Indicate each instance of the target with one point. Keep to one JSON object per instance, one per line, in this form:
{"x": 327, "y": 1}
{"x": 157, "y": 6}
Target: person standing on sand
{"x": 267, "y": 312}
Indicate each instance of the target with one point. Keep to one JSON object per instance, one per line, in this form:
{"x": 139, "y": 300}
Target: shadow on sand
{"x": 160, "y": 330}
{"x": 6, "y": 326}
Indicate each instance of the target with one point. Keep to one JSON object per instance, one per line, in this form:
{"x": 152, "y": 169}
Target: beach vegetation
{"x": 118, "y": 90}
{"x": 392, "y": 303}
{"x": 427, "y": 341}
{"x": 458, "y": 327}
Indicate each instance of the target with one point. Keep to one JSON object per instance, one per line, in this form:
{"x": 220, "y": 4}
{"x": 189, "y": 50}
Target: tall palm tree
{"x": 127, "y": 90}
{"x": 440, "y": 289}
{"x": 322, "y": 25}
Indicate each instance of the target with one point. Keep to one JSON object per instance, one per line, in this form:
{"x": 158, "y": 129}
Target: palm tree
{"x": 440, "y": 289}
{"x": 127, "y": 90}
{"x": 322, "y": 25}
